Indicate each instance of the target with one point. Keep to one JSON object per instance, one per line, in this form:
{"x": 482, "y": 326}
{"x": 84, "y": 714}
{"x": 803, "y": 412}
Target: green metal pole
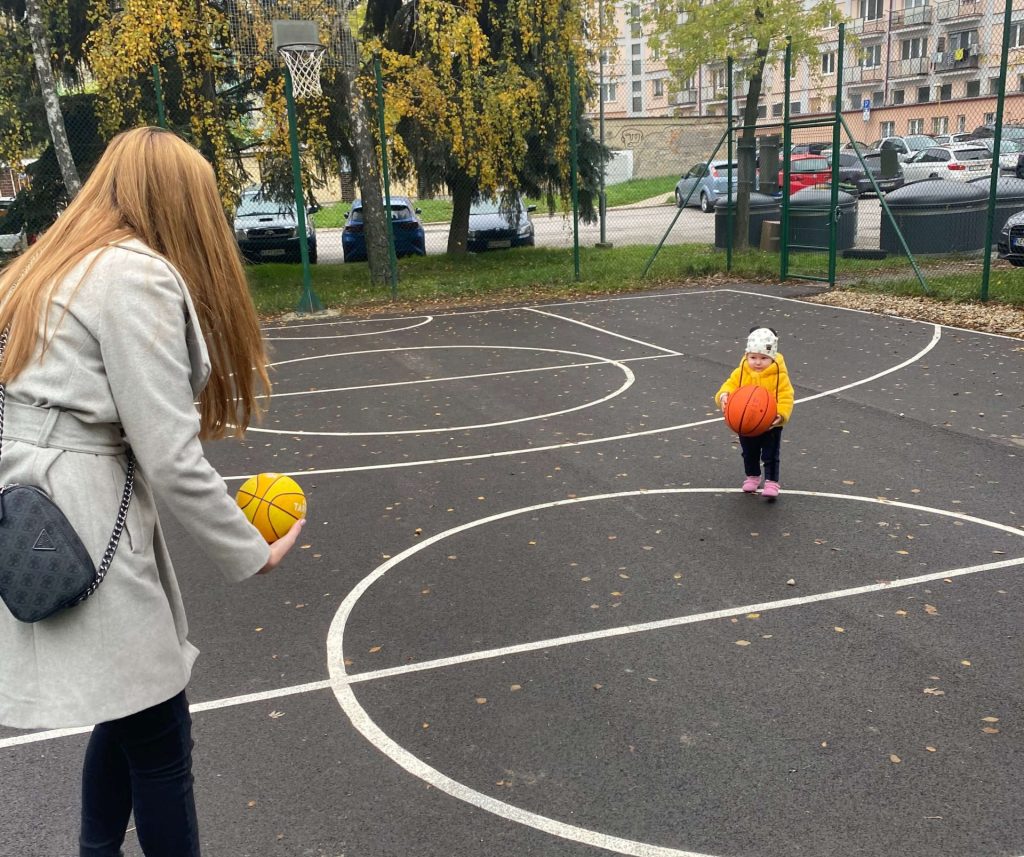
{"x": 309, "y": 302}
{"x": 392, "y": 256}
{"x": 787, "y": 142}
{"x": 833, "y": 220}
{"x": 728, "y": 167}
{"x": 997, "y": 138}
{"x": 159, "y": 96}
{"x": 574, "y": 168}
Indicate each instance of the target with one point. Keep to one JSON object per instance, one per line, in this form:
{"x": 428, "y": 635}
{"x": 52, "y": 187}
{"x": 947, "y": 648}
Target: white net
{"x": 304, "y": 62}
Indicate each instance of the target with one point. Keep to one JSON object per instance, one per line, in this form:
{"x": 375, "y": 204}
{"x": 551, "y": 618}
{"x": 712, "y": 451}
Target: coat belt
{"x": 56, "y": 429}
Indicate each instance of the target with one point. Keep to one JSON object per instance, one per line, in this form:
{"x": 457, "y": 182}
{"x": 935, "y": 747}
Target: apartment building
{"x": 918, "y": 66}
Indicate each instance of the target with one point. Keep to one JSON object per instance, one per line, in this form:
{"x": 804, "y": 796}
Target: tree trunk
{"x": 746, "y": 153}
{"x": 48, "y": 86}
{"x": 462, "y": 198}
{"x": 367, "y": 168}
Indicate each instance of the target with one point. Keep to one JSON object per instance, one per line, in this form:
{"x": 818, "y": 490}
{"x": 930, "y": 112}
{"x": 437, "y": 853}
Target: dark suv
{"x": 267, "y": 229}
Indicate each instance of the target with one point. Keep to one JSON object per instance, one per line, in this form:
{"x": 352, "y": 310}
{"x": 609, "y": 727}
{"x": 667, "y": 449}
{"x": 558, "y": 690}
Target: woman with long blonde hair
{"x": 131, "y": 308}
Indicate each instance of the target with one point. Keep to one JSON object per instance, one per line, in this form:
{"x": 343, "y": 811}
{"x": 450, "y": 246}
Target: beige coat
{"x": 128, "y": 356}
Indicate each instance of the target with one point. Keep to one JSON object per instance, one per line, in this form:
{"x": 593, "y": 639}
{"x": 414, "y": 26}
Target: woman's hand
{"x": 284, "y": 544}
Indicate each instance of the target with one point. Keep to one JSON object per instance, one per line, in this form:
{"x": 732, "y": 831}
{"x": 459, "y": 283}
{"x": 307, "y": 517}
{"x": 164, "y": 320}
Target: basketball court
{"x": 532, "y": 613}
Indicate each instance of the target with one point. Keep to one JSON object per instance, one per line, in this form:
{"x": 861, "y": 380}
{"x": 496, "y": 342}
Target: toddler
{"x": 763, "y": 366}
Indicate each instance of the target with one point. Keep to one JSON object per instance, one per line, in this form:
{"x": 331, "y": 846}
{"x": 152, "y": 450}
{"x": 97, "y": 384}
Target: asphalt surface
{"x": 533, "y": 615}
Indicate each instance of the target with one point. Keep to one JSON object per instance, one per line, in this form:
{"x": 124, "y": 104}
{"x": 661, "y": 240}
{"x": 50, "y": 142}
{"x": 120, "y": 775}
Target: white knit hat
{"x": 762, "y": 340}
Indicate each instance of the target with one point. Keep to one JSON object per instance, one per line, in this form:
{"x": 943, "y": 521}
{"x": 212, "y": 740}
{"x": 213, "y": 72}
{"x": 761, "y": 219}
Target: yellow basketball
{"x": 272, "y": 502}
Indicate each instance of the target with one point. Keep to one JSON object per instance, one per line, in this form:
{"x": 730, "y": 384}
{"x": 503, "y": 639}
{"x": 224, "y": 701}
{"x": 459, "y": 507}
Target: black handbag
{"x": 44, "y": 567}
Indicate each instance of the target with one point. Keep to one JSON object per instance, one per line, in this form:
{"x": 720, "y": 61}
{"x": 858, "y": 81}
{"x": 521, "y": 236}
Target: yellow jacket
{"x": 775, "y": 379}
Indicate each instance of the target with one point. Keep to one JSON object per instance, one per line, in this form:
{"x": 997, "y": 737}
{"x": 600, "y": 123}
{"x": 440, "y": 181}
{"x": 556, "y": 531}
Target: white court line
{"x": 936, "y": 335}
{"x": 464, "y": 377}
{"x": 334, "y": 322}
{"x": 341, "y": 682}
{"x": 605, "y": 331}
{"x": 426, "y": 320}
{"x": 357, "y": 592}
{"x": 630, "y": 379}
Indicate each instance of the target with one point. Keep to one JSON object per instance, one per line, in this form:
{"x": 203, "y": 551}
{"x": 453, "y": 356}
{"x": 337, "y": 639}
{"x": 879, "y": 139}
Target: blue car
{"x": 410, "y": 239}
{"x": 704, "y": 184}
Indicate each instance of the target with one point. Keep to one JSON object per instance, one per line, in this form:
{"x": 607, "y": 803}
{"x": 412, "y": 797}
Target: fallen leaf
{"x": 481, "y": 700}
{"x": 677, "y": 576}
{"x": 598, "y": 686}
{"x": 931, "y": 610}
{"x": 753, "y": 615}
{"x": 251, "y": 804}
{"x": 930, "y": 749}
{"x": 990, "y": 730}
{"x": 894, "y": 758}
{"x": 901, "y": 612}
{"x": 426, "y": 725}
{"x": 375, "y": 649}
{"x": 791, "y": 582}
{"x": 839, "y": 630}
{"x": 934, "y": 691}
{"x": 276, "y": 714}
{"x": 743, "y": 642}
{"x": 515, "y": 687}
{"x": 965, "y": 663}
{"x": 989, "y": 719}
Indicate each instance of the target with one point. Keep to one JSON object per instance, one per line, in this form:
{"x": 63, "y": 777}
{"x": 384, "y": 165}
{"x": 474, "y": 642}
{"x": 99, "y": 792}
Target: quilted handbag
{"x": 44, "y": 567}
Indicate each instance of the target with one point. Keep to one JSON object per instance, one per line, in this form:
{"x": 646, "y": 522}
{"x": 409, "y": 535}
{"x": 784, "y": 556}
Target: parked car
{"x": 960, "y": 162}
{"x": 706, "y": 183}
{"x": 959, "y": 137}
{"x": 1009, "y": 152}
{"x": 905, "y": 146}
{"x": 810, "y": 148}
{"x": 12, "y": 240}
{"x": 496, "y": 224}
{"x": 1010, "y": 244}
{"x": 410, "y": 238}
{"x": 1009, "y": 132}
{"x": 807, "y": 171}
{"x": 267, "y": 229}
{"x": 853, "y": 177}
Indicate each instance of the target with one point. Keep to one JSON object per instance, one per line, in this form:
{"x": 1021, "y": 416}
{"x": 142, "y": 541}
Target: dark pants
{"x": 141, "y": 763}
{"x": 765, "y": 447}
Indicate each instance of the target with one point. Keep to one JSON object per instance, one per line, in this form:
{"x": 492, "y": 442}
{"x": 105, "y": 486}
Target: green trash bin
{"x": 809, "y": 219}
{"x": 936, "y": 216}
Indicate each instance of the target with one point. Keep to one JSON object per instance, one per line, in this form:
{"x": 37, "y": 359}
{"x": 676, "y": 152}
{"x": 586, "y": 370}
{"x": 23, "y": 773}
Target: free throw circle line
{"x": 630, "y": 379}
{"x": 341, "y": 682}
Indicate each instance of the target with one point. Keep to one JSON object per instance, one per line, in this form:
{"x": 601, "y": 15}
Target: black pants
{"x": 765, "y": 447}
{"x": 141, "y": 763}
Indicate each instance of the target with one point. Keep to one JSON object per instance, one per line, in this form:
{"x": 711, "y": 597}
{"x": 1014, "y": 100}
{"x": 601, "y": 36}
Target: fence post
{"x": 997, "y": 138}
{"x": 787, "y": 142}
{"x": 728, "y": 168}
{"x": 574, "y": 168}
{"x": 392, "y": 257}
{"x": 161, "y": 117}
{"x": 833, "y": 223}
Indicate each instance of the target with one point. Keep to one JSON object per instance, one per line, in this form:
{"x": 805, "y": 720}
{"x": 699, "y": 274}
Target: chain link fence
{"x": 902, "y": 140}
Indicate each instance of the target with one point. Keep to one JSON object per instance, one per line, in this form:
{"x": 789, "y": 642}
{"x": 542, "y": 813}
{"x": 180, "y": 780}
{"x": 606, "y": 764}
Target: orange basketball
{"x": 272, "y": 502}
{"x": 750, "y": 411}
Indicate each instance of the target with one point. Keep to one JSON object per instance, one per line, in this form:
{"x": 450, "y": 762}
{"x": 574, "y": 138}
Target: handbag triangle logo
{"x": 44, "y": 542}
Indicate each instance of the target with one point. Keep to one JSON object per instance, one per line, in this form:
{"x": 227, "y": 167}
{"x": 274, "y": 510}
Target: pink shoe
{"x": 750, "y": 484}
{"x": 771, "y": 490}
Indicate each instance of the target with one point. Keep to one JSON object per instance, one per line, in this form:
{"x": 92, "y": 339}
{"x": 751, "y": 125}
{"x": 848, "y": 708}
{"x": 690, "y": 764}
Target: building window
{"x": 924, "y": 94}
{"x": 762, "y": 111}
{"x": 963, "y": 40}
{"x": 993, "y": 86}
{"x": 828, "y": 63}
{"x": 1017, "y": 35}
{"x": 914, "y": 4}
{"x": 855, "y": 102}
{"x": 888, "y": 129}
{"x": 898, "y": 97}
{"x": 635, "y": 49}
{"x": 777, "y": 109}
{"x": 608, "y": 92}
{"x": 638, "y": 104}
{"x": 877, "y": 98}
{"x": 961, "y": 123}
{"x": 940, "y": 125}
{"x": 871, "y": 9}
{"x": 1020, "y": 84}
{"x": 871, "y": 56}
{"x": 635, "y": 68}
{"x": 973, "y": 89}
{"x": 659, "y": 89}
{"x": 912, "y": 49}
{"x": 945, "y": 92}
{"x": 794, "y": 107}
{"x": 915, "y": 126}
{"x": 990, "y": 118}
{"x": 635, "y": 31}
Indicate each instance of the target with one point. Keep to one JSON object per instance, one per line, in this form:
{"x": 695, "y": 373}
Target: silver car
{"x": 959, "y": 162}
{"x": 704, "y": 184}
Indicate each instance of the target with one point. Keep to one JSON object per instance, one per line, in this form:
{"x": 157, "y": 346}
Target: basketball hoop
{"x": 303, "y": 61}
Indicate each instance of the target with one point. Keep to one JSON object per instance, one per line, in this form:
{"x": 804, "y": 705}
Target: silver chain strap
{"x": 122, "y": 511}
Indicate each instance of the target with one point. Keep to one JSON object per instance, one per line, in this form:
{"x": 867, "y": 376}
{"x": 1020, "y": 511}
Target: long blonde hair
{"x": 151, "y": 185}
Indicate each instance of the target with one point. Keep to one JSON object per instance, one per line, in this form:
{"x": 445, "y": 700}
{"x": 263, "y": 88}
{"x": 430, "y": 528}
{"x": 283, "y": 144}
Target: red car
{"x": 807, "y": 171}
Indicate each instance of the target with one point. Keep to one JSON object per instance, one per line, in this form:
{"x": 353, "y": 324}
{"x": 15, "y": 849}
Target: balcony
{"x": 863, "y": 74}
{"x": 909, "y": 68}
{"x": 961, "y": 59}
{"x": 919, "y": 16}
{"x": 866, "y": 27}
{"x": 684, "y": 97}
{"x": 958, "y": 10}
